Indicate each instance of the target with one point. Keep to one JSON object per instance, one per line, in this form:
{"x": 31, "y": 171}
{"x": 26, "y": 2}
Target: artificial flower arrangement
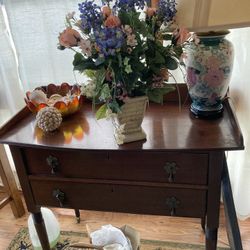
{"x": 125, "y": 48}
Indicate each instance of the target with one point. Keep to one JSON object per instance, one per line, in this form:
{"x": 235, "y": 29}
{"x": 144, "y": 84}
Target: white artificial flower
{"x": 127, "y": 29}
{"x": 131, "y": 40}
{"x": 70, "y": 15}
{"x": 86, "y": 47}
{"x": 88, "y": 89}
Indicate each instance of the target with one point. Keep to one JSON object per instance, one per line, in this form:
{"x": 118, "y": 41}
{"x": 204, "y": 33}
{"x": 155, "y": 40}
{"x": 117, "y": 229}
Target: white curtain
{"x": 33, "y": 60}
{"x": 35, "y": 26}
{"x": 11, "y": 91}
{"x": 239, "y": 162}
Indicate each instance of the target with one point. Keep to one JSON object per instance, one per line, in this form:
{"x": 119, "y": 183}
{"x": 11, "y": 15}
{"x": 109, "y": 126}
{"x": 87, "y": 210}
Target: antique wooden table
{"x": 177, "y": 171}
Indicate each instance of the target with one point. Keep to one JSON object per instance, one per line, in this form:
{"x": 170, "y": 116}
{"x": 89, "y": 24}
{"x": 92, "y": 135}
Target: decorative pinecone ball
{"x": 48, "y": 119}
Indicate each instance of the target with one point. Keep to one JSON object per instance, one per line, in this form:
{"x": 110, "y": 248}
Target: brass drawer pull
{"x": 53, "y": 163}
{"x": 60, "y": 196}
{"x": 171, "y": 169}
{"x": 172, "y": 204}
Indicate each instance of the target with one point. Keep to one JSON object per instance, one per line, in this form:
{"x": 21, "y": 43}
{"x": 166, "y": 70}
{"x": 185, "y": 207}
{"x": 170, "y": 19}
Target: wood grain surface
{"x": 167, "y": 128}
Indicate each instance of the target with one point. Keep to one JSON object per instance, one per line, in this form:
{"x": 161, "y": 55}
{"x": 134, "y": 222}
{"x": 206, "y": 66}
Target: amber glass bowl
{"x": 66, "y": 98}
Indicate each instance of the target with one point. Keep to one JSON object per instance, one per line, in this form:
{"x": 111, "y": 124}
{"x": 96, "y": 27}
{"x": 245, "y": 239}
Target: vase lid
{"x": 214, "y": 34}
{"x": 212, "y": 38}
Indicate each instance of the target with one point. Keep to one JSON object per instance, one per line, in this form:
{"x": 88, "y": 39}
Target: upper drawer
{"x": 189, "y": 168}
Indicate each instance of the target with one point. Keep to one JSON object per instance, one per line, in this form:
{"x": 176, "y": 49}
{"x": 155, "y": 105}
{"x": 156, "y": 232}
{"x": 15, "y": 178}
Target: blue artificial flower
{"x": 166, "y": 10}
{"x": 128, "y": 5}
{"x": 109, "y": 40}
{"x": 91, "y": 16}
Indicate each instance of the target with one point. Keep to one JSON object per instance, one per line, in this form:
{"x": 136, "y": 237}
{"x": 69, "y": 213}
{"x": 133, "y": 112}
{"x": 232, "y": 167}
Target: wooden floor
{"x": 150, "y": 227}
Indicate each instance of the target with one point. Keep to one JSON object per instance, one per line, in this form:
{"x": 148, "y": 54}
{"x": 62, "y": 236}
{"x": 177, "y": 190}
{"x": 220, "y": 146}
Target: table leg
{"x": 77, "y": 214}
{"x": 211, "y": 238}
{"x": 213, "y": 198}
{"x": 41, "y": 230}
{"x": 233, "y": 231}
{"x": 203, "y": 223}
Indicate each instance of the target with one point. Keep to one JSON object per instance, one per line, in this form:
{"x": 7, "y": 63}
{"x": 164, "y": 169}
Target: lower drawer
{"x": 120, "y": 198}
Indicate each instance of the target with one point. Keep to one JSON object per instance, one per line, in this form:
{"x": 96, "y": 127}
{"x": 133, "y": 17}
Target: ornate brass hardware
{"x": 171, "y": 169}
{"x": 53, "y": 163}
{"x": 60, "y": 196}
{"x": 172, "y": 204}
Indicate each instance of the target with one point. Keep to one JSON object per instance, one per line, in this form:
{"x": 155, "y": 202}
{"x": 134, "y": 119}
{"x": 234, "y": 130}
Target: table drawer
{"x": 189, "y": 168}
{"x": 120, "y": 198}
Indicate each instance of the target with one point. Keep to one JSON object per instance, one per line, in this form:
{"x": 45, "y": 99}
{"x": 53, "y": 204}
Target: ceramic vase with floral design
{"x": 209, "y": 66}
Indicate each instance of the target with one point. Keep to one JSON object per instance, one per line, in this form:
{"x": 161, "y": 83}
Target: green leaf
{"x": 156, "y": 95}
{"x": 101, "y": 112}
{"x": 100, "y": 77}
{"x": 78, "y": 58}
{"x": 141, "y": 27}
{"x": 105, "y": 92}
{"x": 124, "y": 17}
{"x": 81, "y": 64}
{"x": 178, "y": 51}
{"x": 114, "y": 106}
{"x": 166, "y": 36}
{"x": 128, "y": 69}
{"x": 120, "y": 60}
{"x": 155, "y": 69}
{"x": 159, "y": 59}
{"x": 100, "y": 60}
{"x": 90, "y": 73}
{"x": 150, "y": 37}
{"x": 126, "y": 60}
{"x": 138, "y": 66}
{"x": 171, "y": 63}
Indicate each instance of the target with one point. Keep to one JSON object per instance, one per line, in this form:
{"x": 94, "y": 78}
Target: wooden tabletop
{"x": 167, "y": 128}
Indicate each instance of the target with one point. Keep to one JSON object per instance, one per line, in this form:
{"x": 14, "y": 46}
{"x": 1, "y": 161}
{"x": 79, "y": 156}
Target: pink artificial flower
{"x": 112, "y": 21}
{"x": 106, "y": 11}
{"x": 181, "y": 35}
{"x": 214, "y": 77}
{"x": 127, "y": 29}
{"x": 131, "y": 40}
{"x": 150, "y": 12}
{"x": 157, "y": 82}
{"x": 164, "y": 74}
{"x": 129, "y": 50}
{"x": 86, "y": 47}
{"x": 69, "y": 37}
{"x": 108, "y": 76}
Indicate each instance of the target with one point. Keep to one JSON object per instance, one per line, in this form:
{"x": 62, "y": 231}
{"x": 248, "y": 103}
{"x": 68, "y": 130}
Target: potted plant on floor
{"x": 126, "y": 49}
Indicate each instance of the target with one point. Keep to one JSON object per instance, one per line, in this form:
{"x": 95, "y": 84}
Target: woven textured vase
{"x": 130, "y": 119}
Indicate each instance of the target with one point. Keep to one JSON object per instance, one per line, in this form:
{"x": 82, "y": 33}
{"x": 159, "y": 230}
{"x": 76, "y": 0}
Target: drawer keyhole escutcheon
{"x": 60, "y": 196}
{"x": 172, "y": 204}
{"x": 53, "y": 163}
{"x": 171, "y": 169}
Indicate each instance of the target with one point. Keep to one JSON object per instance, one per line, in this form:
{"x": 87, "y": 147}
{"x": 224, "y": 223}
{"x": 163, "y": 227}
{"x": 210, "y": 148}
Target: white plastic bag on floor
{"x": 109, "y": 235}
{"x": 52, "y": 228}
